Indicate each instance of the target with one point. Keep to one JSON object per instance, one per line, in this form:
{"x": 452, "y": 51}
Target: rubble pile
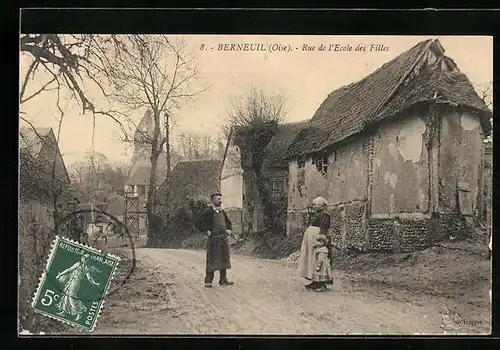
{"x": 292, "y": 259}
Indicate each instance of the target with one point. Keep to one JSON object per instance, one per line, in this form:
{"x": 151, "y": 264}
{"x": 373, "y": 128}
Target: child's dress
{"x": 323, "y": 269}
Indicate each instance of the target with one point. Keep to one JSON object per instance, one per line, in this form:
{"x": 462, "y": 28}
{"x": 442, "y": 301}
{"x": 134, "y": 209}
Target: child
{"x": 322, "y": 274}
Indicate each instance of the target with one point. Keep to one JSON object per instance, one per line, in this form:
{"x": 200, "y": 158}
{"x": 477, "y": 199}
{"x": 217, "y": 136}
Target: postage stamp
{"x": 74, "y": 283}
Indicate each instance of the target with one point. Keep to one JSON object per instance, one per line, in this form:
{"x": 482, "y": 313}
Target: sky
{"x": 304, "y": 77}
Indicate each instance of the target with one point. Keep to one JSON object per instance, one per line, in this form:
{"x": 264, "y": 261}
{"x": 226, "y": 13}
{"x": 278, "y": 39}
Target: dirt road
{"x": 166, "y": 295}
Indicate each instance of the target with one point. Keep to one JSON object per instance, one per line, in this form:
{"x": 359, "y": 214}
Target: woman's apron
{"x": 306, "y": 259}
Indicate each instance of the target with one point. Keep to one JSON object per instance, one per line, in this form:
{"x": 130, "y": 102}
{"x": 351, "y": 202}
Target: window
{"x": 301, "y": 162}
{"x": 141, "y": 190}
{"x": 279, "y": 185}
{"x": 321, "y": 162}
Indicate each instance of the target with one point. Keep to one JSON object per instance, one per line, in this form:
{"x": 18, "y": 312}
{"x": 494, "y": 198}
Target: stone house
{"x": 274, "y": 177}
{"x": 398, "y": 155}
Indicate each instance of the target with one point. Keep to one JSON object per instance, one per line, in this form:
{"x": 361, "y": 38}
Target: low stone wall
{"x": 354, "y": 223}
{"x": 400, "y": 235}
{"x": 336, "y": 226}
{"x": 351, "y": 230}
{"x": 380, "y": 233}
{"x": 347, "y": 227}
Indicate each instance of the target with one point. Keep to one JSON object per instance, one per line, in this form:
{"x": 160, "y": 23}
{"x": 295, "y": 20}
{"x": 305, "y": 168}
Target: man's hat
{"x": 215, "y": 194}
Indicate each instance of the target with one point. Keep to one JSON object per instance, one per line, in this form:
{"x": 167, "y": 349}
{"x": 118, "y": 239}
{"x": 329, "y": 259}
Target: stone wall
{"x": 399, "y": 235}
{"x": 380, "y": 233}
{"x": 348, "y": 226}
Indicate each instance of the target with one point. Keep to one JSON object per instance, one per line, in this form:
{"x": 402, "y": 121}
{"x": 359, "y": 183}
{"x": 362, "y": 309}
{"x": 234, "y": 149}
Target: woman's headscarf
{"x": 321, "y": 201}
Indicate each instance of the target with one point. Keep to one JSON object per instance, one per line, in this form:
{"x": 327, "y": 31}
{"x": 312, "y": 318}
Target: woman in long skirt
{"x": 318, "y": 229}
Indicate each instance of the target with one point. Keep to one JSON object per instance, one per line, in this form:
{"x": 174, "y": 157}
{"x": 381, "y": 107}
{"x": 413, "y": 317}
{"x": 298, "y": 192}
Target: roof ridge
{"x": 423, "y": 50}
{"x": 295, "y": 122}
{"x": 380, "y": 67}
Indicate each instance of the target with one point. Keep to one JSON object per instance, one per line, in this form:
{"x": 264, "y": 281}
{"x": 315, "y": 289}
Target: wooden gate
{"x": 131, "y": 215}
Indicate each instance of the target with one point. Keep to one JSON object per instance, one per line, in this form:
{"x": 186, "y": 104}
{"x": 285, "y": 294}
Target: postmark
{"x": 74, "y": 283}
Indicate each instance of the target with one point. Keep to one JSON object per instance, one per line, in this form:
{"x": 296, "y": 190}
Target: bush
{"x": 274, "y": 246}
{"x": 198, "y": 241}
{"x": 180, "y": 226}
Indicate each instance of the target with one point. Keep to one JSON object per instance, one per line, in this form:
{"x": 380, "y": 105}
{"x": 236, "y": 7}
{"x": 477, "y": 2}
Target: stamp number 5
{"x": 49, "y": 297}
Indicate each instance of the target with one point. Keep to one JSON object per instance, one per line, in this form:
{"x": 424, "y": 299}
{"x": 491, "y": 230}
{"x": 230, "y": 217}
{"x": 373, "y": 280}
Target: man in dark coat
{"x": 215, "y": 223}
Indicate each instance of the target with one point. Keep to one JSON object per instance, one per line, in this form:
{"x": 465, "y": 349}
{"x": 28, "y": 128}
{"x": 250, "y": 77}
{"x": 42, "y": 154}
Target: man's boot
{"x": 223, "y": 279}
{"x": 226, "y": 283}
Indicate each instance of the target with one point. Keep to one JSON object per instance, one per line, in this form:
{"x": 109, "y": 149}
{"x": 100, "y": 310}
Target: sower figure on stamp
{"x": 215, "y": 223}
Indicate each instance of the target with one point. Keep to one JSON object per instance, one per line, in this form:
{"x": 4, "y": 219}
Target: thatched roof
{"x": 191, "y": 180}
{"x": 40, "y": 144}
{"x": 277, "y": 148}
{"x": 436, "y": 85}
{"x": 32, "y": 139}
{"x": 348, "y": 110}
{"x": 36, "y": 181}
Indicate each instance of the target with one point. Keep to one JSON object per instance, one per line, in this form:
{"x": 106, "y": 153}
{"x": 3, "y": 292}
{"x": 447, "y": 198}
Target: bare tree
{"x": 253, "y": 121}
{"x": 152, "y": 74}
{"x": 71, "y": 63}
{"x": 87, "y": 174}
{"x": 256, "y": 108}
{"x": 193, "y": 146}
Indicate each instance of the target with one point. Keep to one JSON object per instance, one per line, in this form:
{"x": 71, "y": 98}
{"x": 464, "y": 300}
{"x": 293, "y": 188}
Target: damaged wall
{"x": 347, "y": 193}
{"x": 297, "y": 215}
{"x": 460, "y": 160}
{"x": 345, "y": 184}
{"x": 347, "y": 173}
{"x": 305, "y": 184}
{"x": 345, "y": 180}
{"x": 400, "y": 168}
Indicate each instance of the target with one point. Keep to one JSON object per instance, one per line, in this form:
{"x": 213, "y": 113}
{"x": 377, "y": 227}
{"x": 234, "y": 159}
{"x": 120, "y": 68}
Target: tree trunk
{"x": 150, "y": 204}
{"x": 151, "y": 201}
{"x": 167, "y": 143}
